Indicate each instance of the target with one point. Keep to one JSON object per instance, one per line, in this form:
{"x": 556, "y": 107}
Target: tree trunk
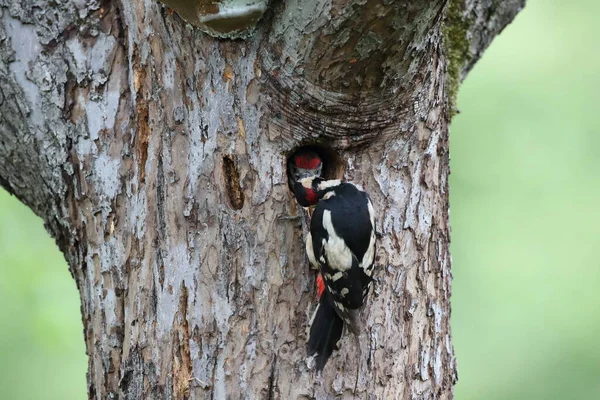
{"x": 156, "y": 156}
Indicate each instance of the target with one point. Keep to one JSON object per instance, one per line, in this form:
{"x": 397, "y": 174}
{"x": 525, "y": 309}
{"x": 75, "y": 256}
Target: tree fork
{"x": 156, "y": 154}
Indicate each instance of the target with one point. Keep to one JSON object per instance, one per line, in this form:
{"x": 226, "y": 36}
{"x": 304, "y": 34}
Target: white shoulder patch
{"x": 328, "y": 184}
{"x": 338, "y": 254}
{"x": 328, "y": 195}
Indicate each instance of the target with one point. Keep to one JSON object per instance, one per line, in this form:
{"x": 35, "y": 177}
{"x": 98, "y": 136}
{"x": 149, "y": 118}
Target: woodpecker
{"x": 341, "y": 244}
{"x": 303, "y": 164}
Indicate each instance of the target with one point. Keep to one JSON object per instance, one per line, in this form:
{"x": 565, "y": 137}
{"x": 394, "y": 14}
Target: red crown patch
{"x": 307, "y": 161}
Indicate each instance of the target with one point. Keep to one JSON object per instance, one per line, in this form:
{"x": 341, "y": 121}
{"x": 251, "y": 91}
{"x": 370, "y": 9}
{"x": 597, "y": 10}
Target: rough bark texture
{"x": 156, "y": 156}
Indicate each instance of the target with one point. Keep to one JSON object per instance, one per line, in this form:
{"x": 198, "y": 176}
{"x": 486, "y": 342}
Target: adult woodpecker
{"x": 341, "y": 243}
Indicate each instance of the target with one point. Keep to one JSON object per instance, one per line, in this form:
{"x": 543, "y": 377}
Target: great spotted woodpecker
{"x": 303, "y": 164}
{"x": 341, "y": 244}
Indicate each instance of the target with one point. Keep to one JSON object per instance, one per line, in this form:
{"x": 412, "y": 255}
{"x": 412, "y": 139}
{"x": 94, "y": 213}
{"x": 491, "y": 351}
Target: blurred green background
{"x": 525, "y": 210}
{"x": 525, "y": 199}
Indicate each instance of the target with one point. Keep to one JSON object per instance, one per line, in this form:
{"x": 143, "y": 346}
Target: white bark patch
{"x": 110, "y": 304}
{"x": 222, "y": 310}
{"x": 101, "y": 57}
{"x": 101, "y": 114}
{"x": 79, "y": 62}
{"x": 424, "y": 365}
{"x": 27, "y": 48}
{"x": 178, "y": 270}
{"x": 95, "y": 120}
{"x": 437, "y": 365}
{"x": 220, "y": 391}
{"x": 107, "y": 172}
{"x": 382, "y": 178}
{"x": 168, "y": 75}
{"x": 269, "y": 170}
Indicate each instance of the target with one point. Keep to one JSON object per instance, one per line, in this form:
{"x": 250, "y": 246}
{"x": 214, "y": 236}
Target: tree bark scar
{"x": 235, "y": 195}
{"x": 161, "y": 201}
{"x": 214, "y": 367}
{"x": 143, "y": 137}
{"x": 182, "y": 364}
{"x": 141, "y": 114}
{"x": 272, "y": 383}
{"x": 70, "y": 100}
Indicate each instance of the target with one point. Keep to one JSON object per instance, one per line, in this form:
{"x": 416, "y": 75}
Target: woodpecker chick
{"x": 304, "y": 164}
{"x": 341, "y": 244}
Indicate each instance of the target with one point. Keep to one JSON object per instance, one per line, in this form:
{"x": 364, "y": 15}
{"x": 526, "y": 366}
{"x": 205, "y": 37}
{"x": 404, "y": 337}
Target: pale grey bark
{"x": 156, "y": 156}
{"x": 484, "y": 20}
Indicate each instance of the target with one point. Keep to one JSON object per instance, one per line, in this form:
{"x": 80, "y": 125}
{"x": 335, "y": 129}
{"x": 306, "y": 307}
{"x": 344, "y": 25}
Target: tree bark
{"x": 156, "y": 156}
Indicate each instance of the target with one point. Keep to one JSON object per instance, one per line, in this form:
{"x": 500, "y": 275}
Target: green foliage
{"x": 42, "y": 352}
{"x": 525, "y": 191}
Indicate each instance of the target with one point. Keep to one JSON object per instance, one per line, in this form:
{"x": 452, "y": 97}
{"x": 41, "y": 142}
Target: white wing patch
{"x": 371, "y": 213}
{"x": 312, "y": 319}
{"x": 310, "y": 251}
{"x": 338, "y": 254}
{"x": 336, "y": 276}
{"x": 369, "y": 257}
{"x": 367, "y": 262}
{"x": 328, "y": 195}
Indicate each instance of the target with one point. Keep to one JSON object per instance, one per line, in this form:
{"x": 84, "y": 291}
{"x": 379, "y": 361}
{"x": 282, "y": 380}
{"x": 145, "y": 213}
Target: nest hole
{"x": 235, "y": 195}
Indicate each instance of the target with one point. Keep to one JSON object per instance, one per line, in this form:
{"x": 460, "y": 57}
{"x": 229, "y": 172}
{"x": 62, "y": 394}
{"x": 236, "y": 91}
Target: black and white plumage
{"x": 341, "y": 244}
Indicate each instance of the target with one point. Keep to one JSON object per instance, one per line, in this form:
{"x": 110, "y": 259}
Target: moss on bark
{"x": 456, "y": 43}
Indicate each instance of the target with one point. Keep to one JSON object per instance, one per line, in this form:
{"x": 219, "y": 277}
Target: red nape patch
{"x": 320, "y": 286}
{"x": 311, "y": 196}
{"x": 307, "y": 161}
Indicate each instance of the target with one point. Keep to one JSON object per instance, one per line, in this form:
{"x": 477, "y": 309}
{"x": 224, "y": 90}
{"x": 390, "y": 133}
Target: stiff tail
{"x": 325, "y": 332}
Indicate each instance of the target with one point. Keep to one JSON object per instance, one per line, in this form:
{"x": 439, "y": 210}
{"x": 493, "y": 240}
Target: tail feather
{"x": 325, "y": 332}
